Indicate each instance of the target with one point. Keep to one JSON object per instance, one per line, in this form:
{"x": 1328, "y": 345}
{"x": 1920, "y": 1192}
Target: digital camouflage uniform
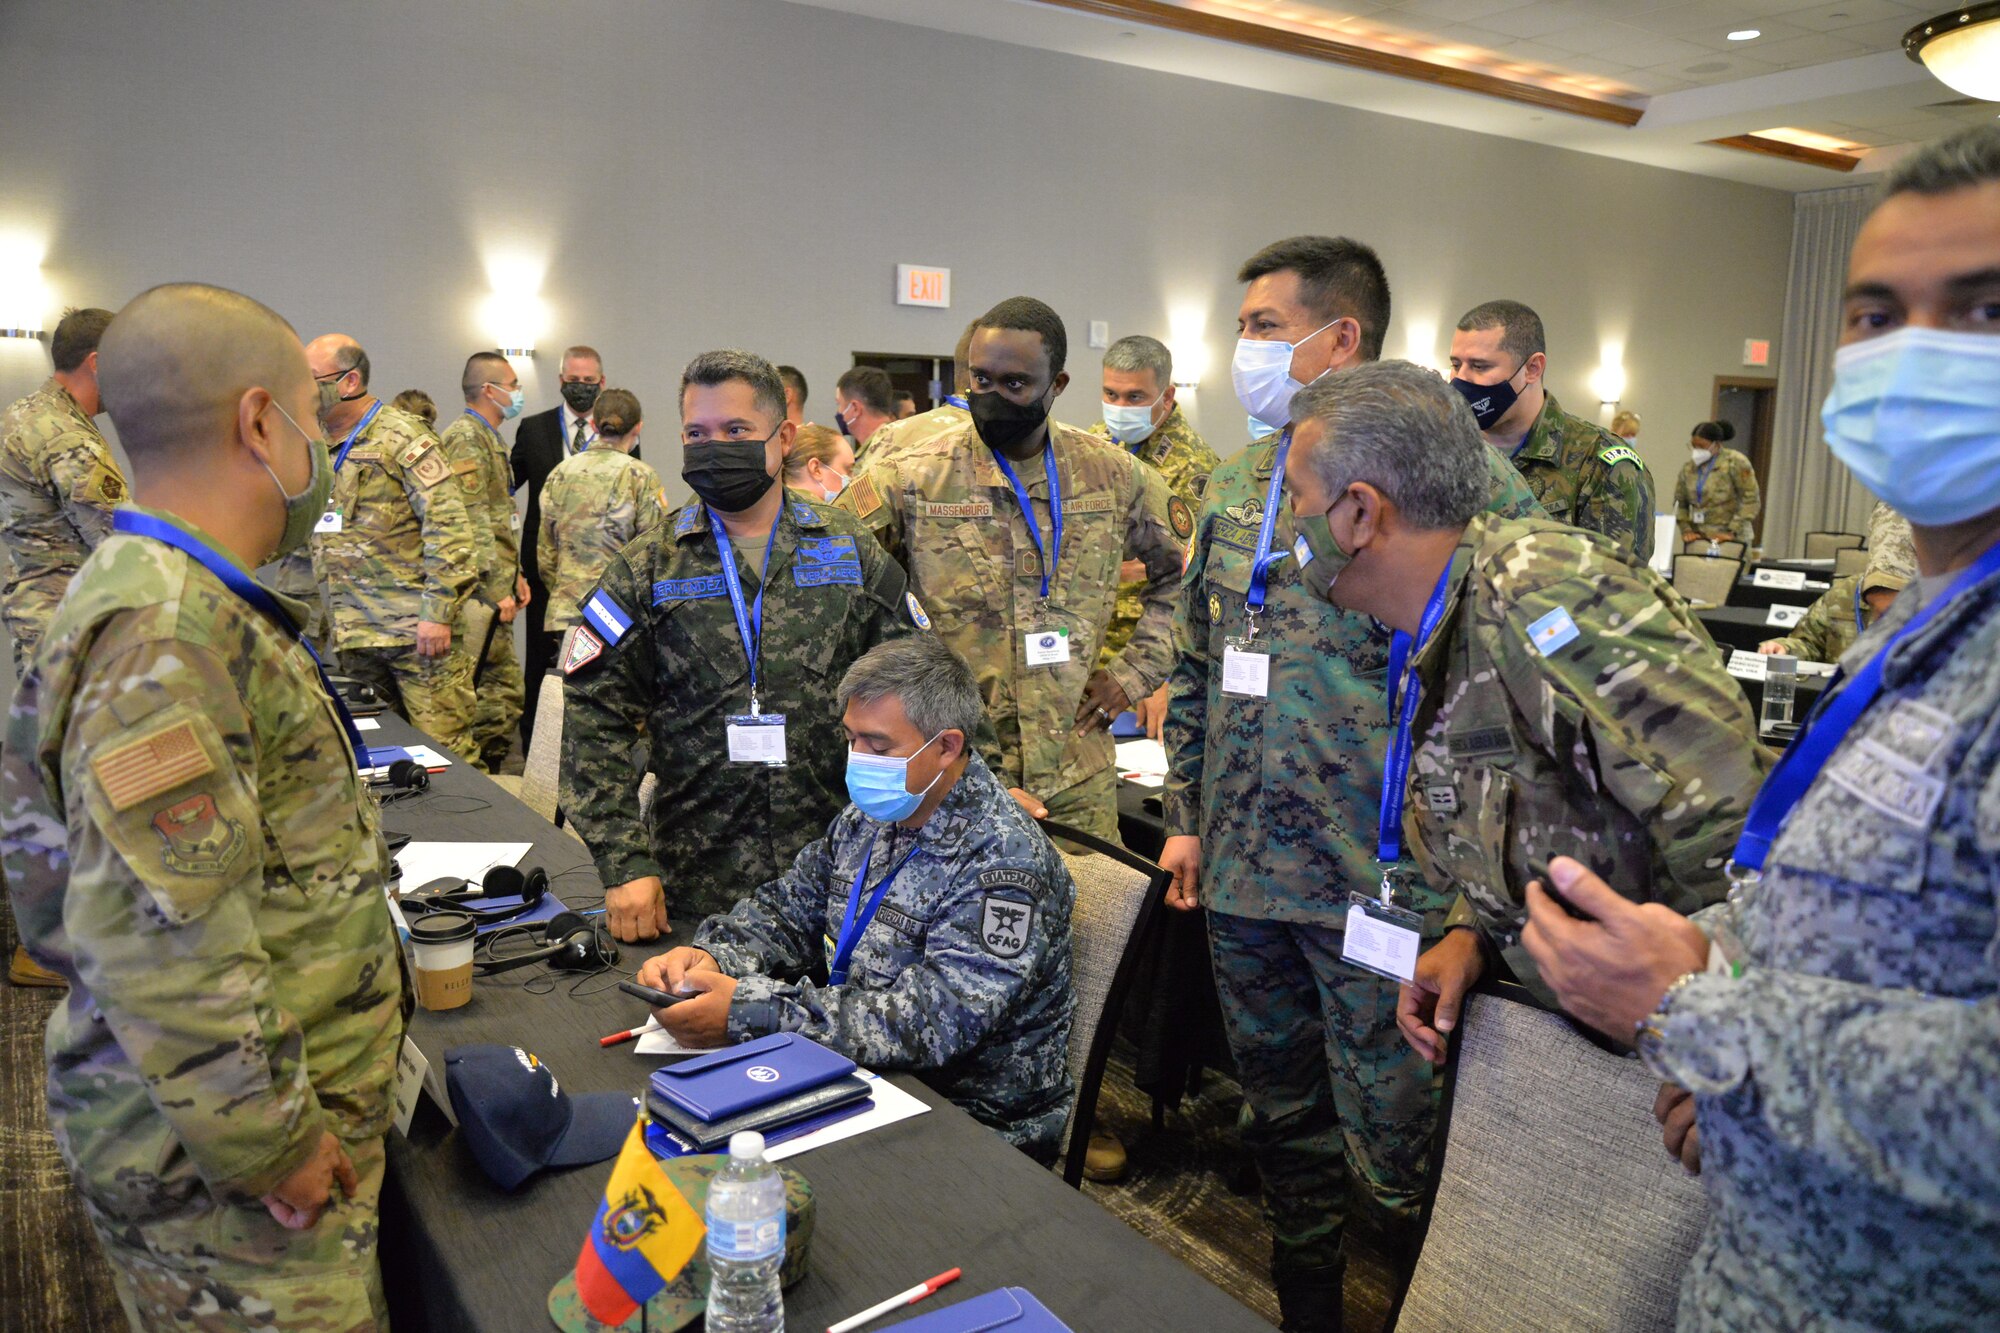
{"x": 486, "y": 477}
{"x": 1723, "y": 494}
{"x": 189, "y": 845}
{"x": 1283, "y": 793}
{"x": 58, "y": 486}
{"x": 1572, "y": 706}
{"x": 963, "y": 977}
{"x": 945, "y": 510}
{"x": 1181, "y": 456}
{"x": 1891, "y": 546}
{"x": 593, "y": 504}
{"x": 922, "y": 428}
{"x": 1589, "y": 478}
{"x": 679, "y": 670}
{"x": 1844, "y": 1080}
{"x": 404, "y": 553}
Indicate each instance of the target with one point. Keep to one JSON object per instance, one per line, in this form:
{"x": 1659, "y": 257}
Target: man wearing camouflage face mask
{"x": 1560, "y": 699}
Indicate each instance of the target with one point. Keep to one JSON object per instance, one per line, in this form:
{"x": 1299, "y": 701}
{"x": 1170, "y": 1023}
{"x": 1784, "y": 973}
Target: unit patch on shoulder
{"x": 584, "y": 648}
{"x": 1181, "y": 517}
{"x": 1614, "y": 454}
{"x": 200, "y": 839}
{"x": 151, "y": 765}
{"x": 917, "y": 616}
{"x": 1005, "y": 926}
{"x": 425, "y": 460}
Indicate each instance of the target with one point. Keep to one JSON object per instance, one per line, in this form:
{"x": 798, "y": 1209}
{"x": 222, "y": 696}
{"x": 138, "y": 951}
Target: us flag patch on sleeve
{"x": 151, "y": 765}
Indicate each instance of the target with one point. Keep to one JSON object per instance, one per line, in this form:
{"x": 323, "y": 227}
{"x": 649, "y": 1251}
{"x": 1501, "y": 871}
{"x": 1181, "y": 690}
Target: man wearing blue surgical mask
{"x": 928, "y": 930}
{"x": 1829, "y": 1035}
{"x": 1141, "y": 414}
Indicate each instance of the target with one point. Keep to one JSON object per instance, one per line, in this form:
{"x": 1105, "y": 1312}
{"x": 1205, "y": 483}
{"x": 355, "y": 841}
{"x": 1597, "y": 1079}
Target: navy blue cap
{"x": 517, "y": 1119}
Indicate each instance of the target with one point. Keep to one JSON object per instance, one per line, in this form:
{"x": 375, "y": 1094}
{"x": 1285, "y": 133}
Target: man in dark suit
{"x": 540, "y": 442}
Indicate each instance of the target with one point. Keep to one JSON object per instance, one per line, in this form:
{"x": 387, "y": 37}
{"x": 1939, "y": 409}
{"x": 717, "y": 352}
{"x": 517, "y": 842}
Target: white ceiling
{"x": 1830, "y": 66}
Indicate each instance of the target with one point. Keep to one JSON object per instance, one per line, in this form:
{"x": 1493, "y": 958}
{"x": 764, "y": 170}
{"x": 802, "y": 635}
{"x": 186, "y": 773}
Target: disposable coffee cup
{"x": 442, "y": 944}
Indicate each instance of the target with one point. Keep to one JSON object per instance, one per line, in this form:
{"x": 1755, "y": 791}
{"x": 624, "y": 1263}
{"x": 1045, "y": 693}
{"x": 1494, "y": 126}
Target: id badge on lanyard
{"x": 1246, "y": 666}
{"x": 1381, "y": 937}
{"x": 756, "y": 738}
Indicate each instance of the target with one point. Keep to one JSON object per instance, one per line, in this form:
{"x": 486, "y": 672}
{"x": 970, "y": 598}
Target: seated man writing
{"x": 928, "y": 930}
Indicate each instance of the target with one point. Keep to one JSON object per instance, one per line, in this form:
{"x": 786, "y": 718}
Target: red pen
{"x": 618, "y": 1038}
{"x": 910, "y": 1297}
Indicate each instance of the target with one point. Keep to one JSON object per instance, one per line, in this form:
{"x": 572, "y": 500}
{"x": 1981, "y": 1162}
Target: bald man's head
{"x": 176, "y": 362}
{"x": 333, "y": 354}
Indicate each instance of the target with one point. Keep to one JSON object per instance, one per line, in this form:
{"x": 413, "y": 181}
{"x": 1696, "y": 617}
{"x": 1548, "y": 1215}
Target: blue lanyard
{"x": 145, "y": 525}
{"x": 1260, "y": 568}
{"x": 1829, "y": 723}
{"x": 1053, "y": 553}
{"x": 958, "y": 401}
{"x": 1859, "y": 624}
{"x": 355, "y": 434}
{"x": 1701, "y": 476}
{"x": 855, "y": 927}
{"x": 750, "y": 621}
{"x": 1396, "y": 771}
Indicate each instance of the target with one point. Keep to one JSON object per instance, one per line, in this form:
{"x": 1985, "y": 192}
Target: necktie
{"x": 576, "y": 443}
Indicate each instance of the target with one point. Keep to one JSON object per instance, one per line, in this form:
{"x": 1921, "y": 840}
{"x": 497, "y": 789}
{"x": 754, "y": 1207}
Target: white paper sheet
{"x": 422, "y": 862}
{"x": 891, "y": 1104}
{"x": 428, "y": 757}
{"x": 1142, "y": 755}
{"x": 367, "y": 724}
{"x": 656, "y": 1040}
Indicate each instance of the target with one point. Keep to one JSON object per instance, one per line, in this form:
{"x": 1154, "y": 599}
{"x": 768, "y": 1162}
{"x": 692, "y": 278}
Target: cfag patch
{"x": 151, "y": 765}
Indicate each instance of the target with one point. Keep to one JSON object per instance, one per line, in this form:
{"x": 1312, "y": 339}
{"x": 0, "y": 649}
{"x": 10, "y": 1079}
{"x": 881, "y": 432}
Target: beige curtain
{"x": 1809, "y": 490}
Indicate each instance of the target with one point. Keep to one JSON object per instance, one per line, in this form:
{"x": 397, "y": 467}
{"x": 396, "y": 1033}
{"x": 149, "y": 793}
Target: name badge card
{"x": 1784, "y": 617}
{"x": 1046, "y": 647}
{"x": 1747, "y": 665}
{"x": 1382, "y": 939}
{"x": 1792, "y": 580}
{"x": 757, "y": 738}
{"x": 1245, "y": 672}
{"x": 330, "y": 521}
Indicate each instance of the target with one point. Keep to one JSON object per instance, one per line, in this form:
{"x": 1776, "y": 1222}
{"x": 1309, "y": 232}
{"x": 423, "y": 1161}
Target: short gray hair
{"x": 1403, "y": 430}
{"x": 1961, "y": 161}
{"x": 1135, "y": 352}
{"x": 713, "y": 368}
{"x": 938, "y": 690}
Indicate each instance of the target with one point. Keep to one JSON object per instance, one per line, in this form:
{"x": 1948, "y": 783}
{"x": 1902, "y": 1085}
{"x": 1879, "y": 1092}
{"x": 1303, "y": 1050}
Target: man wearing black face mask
{"x": 1582, "y": 474}
{"x": 1013, "y": 528}
{"x": 722, "y": 633}
{"x": 540, "y": 442}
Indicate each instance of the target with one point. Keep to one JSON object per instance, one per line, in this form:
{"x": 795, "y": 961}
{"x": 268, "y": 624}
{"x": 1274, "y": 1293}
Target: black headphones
{"x": 406, "y": 778}
{"x": 569, "y": 944}
{"x": 452, "y": 894}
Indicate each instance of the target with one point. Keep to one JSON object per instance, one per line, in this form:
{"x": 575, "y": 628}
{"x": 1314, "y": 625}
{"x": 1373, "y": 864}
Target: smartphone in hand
{"x": 652, "y": 995}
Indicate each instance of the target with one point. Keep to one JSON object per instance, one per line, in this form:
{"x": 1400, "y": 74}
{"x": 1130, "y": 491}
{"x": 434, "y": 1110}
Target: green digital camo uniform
{"x": 58, "y": 486}
{"x": 1589, "y": 478}
{"x": 1719, "y": 500}
{"x": 593, "y": 504}
{"x": 944, "y": 508}
{"x": 499, "y": 689}
{"x": 1572, "y": 706}
{"x": 1283, "y": 794}
{"x": 719, "y": 829}
{"x": 189, "y": 845}
{"x": 404, "y": 553}
{"x": 1185, "y": 460}
{"x": 922, "y": 428}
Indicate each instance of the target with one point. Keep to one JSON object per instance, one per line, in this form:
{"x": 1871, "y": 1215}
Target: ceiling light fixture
{"x": 1961, "y": 49}
{"x": 1746, "y": 34}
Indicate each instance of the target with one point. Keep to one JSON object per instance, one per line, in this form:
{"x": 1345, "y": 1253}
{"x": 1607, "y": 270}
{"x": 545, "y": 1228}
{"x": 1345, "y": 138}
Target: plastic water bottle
{"x": 746, "y": 1242}
{"x": 1781, "y": 679}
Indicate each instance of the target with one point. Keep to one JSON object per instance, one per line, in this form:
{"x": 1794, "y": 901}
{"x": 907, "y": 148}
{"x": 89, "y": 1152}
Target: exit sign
{"x": 917, "y": 285}
{"x": 1756, "y": 351}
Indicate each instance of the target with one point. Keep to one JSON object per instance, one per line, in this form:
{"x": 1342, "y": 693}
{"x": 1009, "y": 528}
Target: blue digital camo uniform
{"x": 1282, "y": 791}
{"x": 1844, "y": 1084}
{"x": 963, "y": 977}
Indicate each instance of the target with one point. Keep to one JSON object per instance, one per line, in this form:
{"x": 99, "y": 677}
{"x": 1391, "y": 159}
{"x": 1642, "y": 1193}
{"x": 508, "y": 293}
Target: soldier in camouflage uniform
{"x": 1831, "y": 623}
{"x": 1139, "y": 396}
{"x": 1582, "y": 474}
{"x": 1267, "y": 808}
{"x": 1716, "y": 498}
{"x": 948, "y": 511}
{"x": 58, "y": 483}
{"x": 395, "y": 554}
{"x": 659, "y": 652}
{"x": 492, "y": 395}
{"x": 593, "y": 505}
{"x": 962, "y": 973}
{"x": 1829, "y": 1034}
{"x": 1569, "y": 702}
{"x": 188, "y": 842}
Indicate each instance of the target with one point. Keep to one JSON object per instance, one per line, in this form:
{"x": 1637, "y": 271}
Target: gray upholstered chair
{"x": 1703, "y": 546}
{"x": 1706, "y": 580}
{"x": 1118, "y": 896}
{"x": 1849, "y": 560}
{"x": 541, "y": 771}
{"x": 1557, "y": 1207}
{"x": 1822, "y": 545}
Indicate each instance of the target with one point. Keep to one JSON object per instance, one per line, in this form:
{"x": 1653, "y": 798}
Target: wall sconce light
{"x": 1189, "y": 349}
{"x": 24, "y": 296}
{"x": 514, "y": 316}
{"x": 1608, "y": 383}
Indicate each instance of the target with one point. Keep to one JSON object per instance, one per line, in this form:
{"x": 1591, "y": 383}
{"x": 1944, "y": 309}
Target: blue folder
{"x": 743, "y": 1078}
{"x": 1012, "y": 1308}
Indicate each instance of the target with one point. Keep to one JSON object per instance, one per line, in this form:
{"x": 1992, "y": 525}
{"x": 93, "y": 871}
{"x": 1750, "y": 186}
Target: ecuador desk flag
{"x": 643, "y": 1235}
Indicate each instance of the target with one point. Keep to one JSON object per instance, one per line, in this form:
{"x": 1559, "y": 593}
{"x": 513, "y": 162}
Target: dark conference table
{"x": 894, "y": 1206}
{"x": 1748, "y": 593}
{"x": 1739, "y": 626}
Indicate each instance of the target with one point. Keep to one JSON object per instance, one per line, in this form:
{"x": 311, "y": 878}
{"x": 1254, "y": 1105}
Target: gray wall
{"x": 698, "y": 173}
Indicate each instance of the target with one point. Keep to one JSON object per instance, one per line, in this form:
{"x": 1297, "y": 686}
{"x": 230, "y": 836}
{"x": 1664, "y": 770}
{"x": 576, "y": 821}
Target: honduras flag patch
{"x": 603, "y": 614}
